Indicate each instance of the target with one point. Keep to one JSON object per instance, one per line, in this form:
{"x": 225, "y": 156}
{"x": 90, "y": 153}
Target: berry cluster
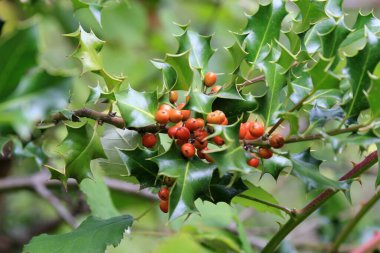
{"x": 190, "y": 133}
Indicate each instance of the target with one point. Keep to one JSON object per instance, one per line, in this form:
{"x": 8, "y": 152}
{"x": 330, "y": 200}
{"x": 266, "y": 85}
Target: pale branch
{"x": 312, "y": 206}
{"x": 251, "y": 81}
{"x": 101, "y": 117}
{"x": 353, "y": 222}
{"x": 290, "y": 212}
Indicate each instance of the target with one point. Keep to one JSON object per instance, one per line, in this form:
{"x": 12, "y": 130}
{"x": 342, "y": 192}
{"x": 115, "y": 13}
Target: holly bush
{"x": 301, "y": 86}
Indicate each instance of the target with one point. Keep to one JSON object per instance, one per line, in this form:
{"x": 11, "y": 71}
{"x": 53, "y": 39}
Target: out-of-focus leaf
{"x": 98, "y": 197}
{"x": 135, "y": 160}
{"x": 258, "y": 193}
{"x": 310, "y": 13}
{"x": 320, "y": 115}
{"x": 180, "y": 63}
{"x": 169, "y": 75}
{"x": 93, "y": 235}
{"x": 182, "y": 241}
{"x": 333, "y": 8}
{"x": 192, "y": 179}
{"x": 137, "y": 108}
{"x": 373, "y": 96}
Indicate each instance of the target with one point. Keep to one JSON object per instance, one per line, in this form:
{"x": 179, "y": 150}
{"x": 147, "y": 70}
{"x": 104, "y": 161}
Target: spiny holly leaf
{"x": 331, "y": 41}
{"x": 333, "y": 8}
{"x": 112, "y": 139}
{"x": 18, "y": 55}
{"x": 312, "y": 38}
{"x": 367, "y": 59}
{"x": 200, "y": 102}
{"x": 261, "y": 194}
{"x": 231, "y": 157}
{"x": 262, "y": 28}
{"x": 373, "y": 96}
{"x": 37, "y": 95}
{"x": 237, "y": 53}
{"x": 192, "y": 179}
{"x": 275, "y": 165}
{"x": 180, "y": 63}
{"x": 80, "y": 146}
{"x": 286, "y": 58}
{"x": 137, "y": 108}
{"x": 311, "y": 11}
{"x": 221, "y": 191}
{"x": 169, "y": 75}
{"x": 135, "y": 160}
{"x": 92, "y": 236}
{"x": 322, "y": 77}
{"x": 292, "y": 119}
{"x": 275, "y": 81}
{"x": 199, "y": 46}
{"x": 94, "y": 7}
{"x": 306, "y": 168}
{"x": 319, "y": 115}
{"x": 98, "y": 197}
{"x": 97, "y": 93}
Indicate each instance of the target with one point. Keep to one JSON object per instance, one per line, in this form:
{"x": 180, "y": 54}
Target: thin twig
{"x": 251, "y": 81}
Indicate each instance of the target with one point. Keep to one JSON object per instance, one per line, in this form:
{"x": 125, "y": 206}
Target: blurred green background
{"x": 136, "y": 32}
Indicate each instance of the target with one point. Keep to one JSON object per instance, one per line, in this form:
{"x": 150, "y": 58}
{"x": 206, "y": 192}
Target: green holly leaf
{"x": 359, "y": 79}
{"x": 18, "y": 55}
{"x": 373, "y": 96}
{"x": 275, "y": 165}
{"x": 275, "y": 81}
{"x": 311, "y": 11}
{"x": 200, "y": 102}
{"x": 306, "y": 168}
{"x": 292, "y": 119}
{"x": 192, "y": 179}
{"x": 36, "y": 96}
{"x": 286, "y": 58}
{"x": 233, "y": 108}
{"x": 221, "y": 191}
{"x": 169, "y": 75}
{"x": 81, "y": 145}
{"x": 322, "y": 77}
{"x": 94, "y": 7}
{"x": 313, "y": 36}
{"x": 231, "y": 157}
{"x": 138, "y": 109}
{"x": 199, "y": 47}
{"x": 258, "y": 193}
{"x": 97, "y": 93}
{"x": 332, "y": 40}
{"x": 92, "y": 236}
{"x": 98, "y": 197}
{"x": 135, "y": 160}
{"x": 320, "y": 115}
{"x": 238, "y": 54}
{"x": 262, "y": 29}
{"x": 334, "y": 9}
{"x": 180, "y": 63}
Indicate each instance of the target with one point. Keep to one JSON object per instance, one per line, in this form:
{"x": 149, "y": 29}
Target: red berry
{"x": 200, "y": 144}
{"x": 175, "y": 115}
{"x": 188, "y": 150}
{"x": 254, "y": 162}
{"x": 180, "y": 142}
{"x": 182, "y": 134}
{"x": 149, "y": 140}
{"x": 165, "y": 107}
{"x": 162, "y": 116}
{"x": 215, "y": 117}
{"x": 200, "y": 123}
{"x": 210, "y": 79}
{"x": 173, "y": 97}
{"x": 218, "y": 140}
{"x": 256, "y": 129}
{"x": 200, "y": 153}
{"x": 164, "y": 206}
{"x": 200, "y": 134}
{"x": 172, "y": 131}
{"x": 242, "y": 131}
{"x": 191, "y": 124}
{"x": 225, "y": 122}
{"x": 164, "y": 193}
{"x": 169, "y": 181}
{"x": 186, "y": 114}
{"x": 265, "y": 153}
{"x": 276, "y": 141}
{"x": 215, "y": 89}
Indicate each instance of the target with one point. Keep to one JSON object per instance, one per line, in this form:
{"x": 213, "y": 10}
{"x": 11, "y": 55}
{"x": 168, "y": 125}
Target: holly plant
{"x": 301, "y": 80}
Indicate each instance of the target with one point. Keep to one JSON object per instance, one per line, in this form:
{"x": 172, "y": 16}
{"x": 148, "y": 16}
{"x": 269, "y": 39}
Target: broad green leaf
{"x": 258, "y": 193}
{"x": 231, "y": 157}
{"x": 92, "y": 236}
{"x": 312, "y": 40}
{"x": 311, "y": 11}
{"x": 18, "y": 54}
{"x": 137, "y": 165}
{"x": 286, "y": 58}
{"x": 221, "y": 191}
{"x": 233, "y": 108}
{"x": 98, "y": 197}
{"x": 275, "y": 165}
{"x": 200, "y": 102}
{"x": 306, "y": 168}
{"x": 80, "y": 146}
{"x": 275, "y": 81}
{"x": 199, "y": 46}
{"x": 192, "y": 179}
{"x": 333, "y": 8}
{"x": 137, "y": 108}
{"x": 169, "y": 75}
{"x": 359, "y": 79}
{"x": 262, "y": 29}
{"x": 37, "y": 95}
{"x": 333, "y": 39}
{"x": 237, "y": 53}
{"x": 322, "y": 77}
{"x": 180, "y": 63}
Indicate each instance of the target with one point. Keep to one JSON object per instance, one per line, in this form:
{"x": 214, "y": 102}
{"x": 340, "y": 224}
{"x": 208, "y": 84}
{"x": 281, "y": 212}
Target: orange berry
{"x": 165, "y": 107}
{"x": 162, "y": 116}
{"x": 175, "y": 115}
{"x": 265, "y": 153}
{"x": 242, "y": 131}
{"x": 164, "y": 193}
{"x": 164, "y": 206}
{"x": 215, "y": 117}
{"x": 185, "y": 114}
{"x": 276, "y": 141}
{"x": 200, "y": 123}
{"x": 183, "y": 134}
{"x": 225, "y": 122}
{"x": 218, "y": 140}
{"x": 210, "y": 79}
{"x": 173, "y": 97}
{"x": 200, "y": 144}
{"x": 254, "y": 162}
{"x": 256, "y": 129}
{"x": 191, "y": 124}
{"x": 200, "y": 134}
{"x": 188, "y": 150}
{"x": 149, "y": 140}
{"x": 172, "y": 131}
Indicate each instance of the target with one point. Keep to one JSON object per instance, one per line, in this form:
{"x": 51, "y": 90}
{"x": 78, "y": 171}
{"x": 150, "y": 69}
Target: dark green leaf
{"x": 334, "y": 8}
{"x": 200, "y": 102}
{"x": 275, "y": 165}
{"x": 169, "y": 75}
{"x": 311, "y": 11}
{"x": 373, "y": 96}
{"x": 233, "y": 108}
{"x": 237, "y": 53}
{"x": 92, "y": 236}
{"x": 180, "y": 63}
